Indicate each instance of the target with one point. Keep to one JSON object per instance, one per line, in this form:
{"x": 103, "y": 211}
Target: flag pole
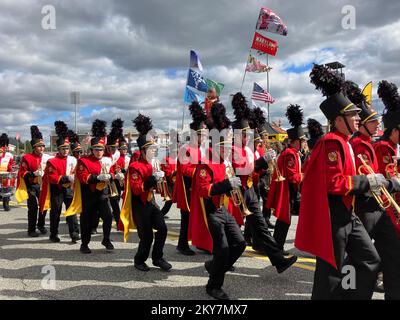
{"x": 245, "y": 71}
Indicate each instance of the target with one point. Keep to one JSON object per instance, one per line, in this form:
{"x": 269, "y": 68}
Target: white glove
{"x": 120, "y": 176}
{"x": 104, "y": 177}
{"x": 159, "y": 175}
{"x": 269, "y": 155}
{"x": 235, "y": 182}
{"x": 71, "y": 179}
{"x": 38, "y": 173}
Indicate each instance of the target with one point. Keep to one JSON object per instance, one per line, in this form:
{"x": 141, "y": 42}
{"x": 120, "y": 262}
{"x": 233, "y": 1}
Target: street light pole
{"x": 75, "y": 99}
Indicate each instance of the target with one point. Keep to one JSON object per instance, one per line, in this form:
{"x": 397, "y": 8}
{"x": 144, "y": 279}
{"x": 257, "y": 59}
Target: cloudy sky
{"x": 130, "y": 56}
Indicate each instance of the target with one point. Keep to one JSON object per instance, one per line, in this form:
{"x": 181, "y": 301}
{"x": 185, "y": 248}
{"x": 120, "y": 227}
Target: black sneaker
{"x": 42, "y": 230}
{"x": 54, "y": 239}
{"x": 218, "y": 294}
{"x": 75, "y": 237}
{"x": 85, "y": 249}
{"x": 207, "y": 265}
{"x": 287, "y": 262}
{"x": 186, "y": 251}
{"x": 107, "y": 243}
{"x": 142, "y": 266}
{"x": 162, "y": 264}
{"x": 33, "y": 234}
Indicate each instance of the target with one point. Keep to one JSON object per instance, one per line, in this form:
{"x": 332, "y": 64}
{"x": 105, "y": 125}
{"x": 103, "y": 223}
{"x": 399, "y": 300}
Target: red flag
{"x": 264, "y": 44}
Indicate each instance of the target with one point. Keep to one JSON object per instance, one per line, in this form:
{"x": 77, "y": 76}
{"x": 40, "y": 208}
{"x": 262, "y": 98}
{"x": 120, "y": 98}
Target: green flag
{"x": 218, "y": 86}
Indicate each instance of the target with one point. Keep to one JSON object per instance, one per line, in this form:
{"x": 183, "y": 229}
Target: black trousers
{"x": 34, "y": 219}
{"x": 183, "y": 233}
{"x": 380, "y": 227}
{"x": 167, "y": 206}
{"x": 148, "y": 217}
{"x": 116, "y": 211}
{"x": 228, "y": 245}
{"x": 95, "y": 205}
{"x": 352, "y": 239}
{"x": 260, "y": 229}
{"x": 57, "y": 198}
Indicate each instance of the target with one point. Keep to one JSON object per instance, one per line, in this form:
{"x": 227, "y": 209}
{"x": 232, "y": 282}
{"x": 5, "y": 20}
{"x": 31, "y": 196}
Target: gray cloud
{"x": 118, "y": 54}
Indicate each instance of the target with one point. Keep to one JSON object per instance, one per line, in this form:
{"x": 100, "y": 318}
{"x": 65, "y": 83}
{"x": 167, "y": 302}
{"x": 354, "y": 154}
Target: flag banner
{"x": 191, "y": 96}
{"x": 216, "y": 85}
{"x": 254, "y": 65}
{"x": 271, "y": 22}
{"x": 367, "y": 92}
{"x": 195, "y": 60}
{"x": 264, "y": 44}
{"x": 196, "y": 81}
{"x": 260, "y": 94}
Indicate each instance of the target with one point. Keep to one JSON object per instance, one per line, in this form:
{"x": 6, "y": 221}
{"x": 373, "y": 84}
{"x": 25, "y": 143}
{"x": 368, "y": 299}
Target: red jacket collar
{"x": 345, "y": 137}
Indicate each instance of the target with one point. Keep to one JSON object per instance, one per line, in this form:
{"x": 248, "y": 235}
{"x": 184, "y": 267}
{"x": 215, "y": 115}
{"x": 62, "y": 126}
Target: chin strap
{"x": 366, "y": 129}
{"x": 347, "y": 125}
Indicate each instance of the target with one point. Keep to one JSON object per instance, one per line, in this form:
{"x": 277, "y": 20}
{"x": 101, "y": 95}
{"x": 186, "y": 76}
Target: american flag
{"x": 261, "y": 95}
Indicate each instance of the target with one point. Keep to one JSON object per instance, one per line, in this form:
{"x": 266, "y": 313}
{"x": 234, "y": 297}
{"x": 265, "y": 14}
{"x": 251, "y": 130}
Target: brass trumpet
{"x": 237, "y": 195}
{"x": 110, "y": 184}
{"x": 162, "y": 186}
{"x": 279, "y": 177}
{"x": 390, "y": 201}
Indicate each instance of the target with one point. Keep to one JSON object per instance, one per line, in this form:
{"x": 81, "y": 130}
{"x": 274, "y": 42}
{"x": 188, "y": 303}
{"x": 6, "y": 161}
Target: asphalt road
{"x": 27, "y": 266}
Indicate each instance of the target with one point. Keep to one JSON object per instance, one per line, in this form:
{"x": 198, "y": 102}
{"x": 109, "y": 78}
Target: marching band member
{"x": 169, "y": 167}
{"x": 92, "y": 189}
{"x": 145, "y": 213}
{"x": 188, "y": 158}
{"x": 111, "y": 152}
{"x": 58, "y": 178}
{"x": 210, "y": 218}
{"x": 244, "y": 164}
{"x": 6, "y": 163}
{"x": 386, "y": 147}
{"x": 328, "y": 227}
{"x": 284, "y": 194}
{"x": 29, "y": 182}
{"x": 375, "y": 220}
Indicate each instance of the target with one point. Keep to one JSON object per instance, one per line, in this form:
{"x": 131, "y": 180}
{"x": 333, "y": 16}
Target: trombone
{"x": 384, "y": 204}
{"x": 162, "y": 186}
{"x": 279, "y": 177}
{"x": 237, "y": 195}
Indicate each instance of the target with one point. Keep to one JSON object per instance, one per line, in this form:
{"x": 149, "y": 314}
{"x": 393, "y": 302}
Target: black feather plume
{"x": 35, "y": 133}
{"x": 61, "y": 129}
{"x": 259, "y": 117}
{"x": 354, "y": 93}
{"x": 197, "y": 112}
{"x": 219, "y": 118}
{"x": 390, "y": 96}
{"x": 240, "y": 108}
{"x": 99, "y": 128}
{"x": 315, "y": 130}
{"x": 73, "y": 137}
{"x": 142, "y": 124}
{"x": 4, "y": 141}
{"x": 326, "y": 80}
{"x": 294, "y": 115}
{"x": 116, "y": 129}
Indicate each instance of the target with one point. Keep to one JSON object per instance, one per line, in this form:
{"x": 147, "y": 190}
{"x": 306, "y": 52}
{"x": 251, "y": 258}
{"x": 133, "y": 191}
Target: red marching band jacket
{"x": 139, "y": 172}
{"x": 289, "y": 166}
{"x": 91, "y": 165}
{"x": 56, "y": 168}
{"x": 385, "y": 151}
{"x": 6, "y": 162}
{"x": 330, "y": 172}
{"x": 205, "y": 176}
{"x": 188, "y": 158}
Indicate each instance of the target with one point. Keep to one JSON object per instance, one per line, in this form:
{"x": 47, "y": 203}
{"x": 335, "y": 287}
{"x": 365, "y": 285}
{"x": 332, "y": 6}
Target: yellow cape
{"x": 126, "y": 215}
{"x": 21, "y": 194}
{"x": 76, "y": 204}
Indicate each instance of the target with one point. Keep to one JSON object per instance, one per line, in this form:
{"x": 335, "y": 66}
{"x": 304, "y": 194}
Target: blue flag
{"x": 195, "y": 60}
{"x": 196, "y": 81}
{"x": 191, "y": 96}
